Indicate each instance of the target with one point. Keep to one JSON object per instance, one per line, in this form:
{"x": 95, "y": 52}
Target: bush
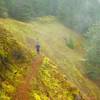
{"x": 3, "y": 96}
{"x": 71, "y": 43}
{"x": 3, "y": 57}
{"x": 8, "y": 88}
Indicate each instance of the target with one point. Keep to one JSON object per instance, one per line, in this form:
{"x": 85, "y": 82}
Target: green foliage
{"x": 93, "y": 48}
{"x": 93, "y": 72}
{"x": 3, "y": 9}
{"x": 71, "y": 43}
{"x": 93, "y": 51}
{"x": 23, "y": 13}
{"x": 28, "y": 10}
{"x": 68, "y": 12}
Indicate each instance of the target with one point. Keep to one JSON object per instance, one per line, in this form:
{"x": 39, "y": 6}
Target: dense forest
{"x": 71, "y": 13}
{"x": 68, "y": 31}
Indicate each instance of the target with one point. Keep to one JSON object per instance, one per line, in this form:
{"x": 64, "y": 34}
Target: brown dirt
{"x": 22, "y": 92}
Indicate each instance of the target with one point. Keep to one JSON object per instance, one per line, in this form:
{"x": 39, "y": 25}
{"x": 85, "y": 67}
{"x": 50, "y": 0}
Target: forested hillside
{"x": 71, "y": 13}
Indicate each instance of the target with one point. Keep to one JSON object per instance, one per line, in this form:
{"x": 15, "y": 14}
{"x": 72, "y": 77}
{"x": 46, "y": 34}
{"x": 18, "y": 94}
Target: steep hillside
{"x": 14, "y": 59}
{"x": 60, "y": 44}
{"x": 51, "y": 84}
{"x": 15, "y": 62}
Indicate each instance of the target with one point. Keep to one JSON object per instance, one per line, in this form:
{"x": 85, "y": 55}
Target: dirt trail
{"x": 24, "y": 88}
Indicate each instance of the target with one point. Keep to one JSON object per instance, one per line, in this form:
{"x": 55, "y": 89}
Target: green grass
{"x": 53, "y": 35}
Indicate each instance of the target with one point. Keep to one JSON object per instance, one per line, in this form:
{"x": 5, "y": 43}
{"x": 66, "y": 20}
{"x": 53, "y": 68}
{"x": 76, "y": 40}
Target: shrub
{"x": 3, "y": 96}
{"x": 4, "y": 57}
{"x": 71, "y": 43}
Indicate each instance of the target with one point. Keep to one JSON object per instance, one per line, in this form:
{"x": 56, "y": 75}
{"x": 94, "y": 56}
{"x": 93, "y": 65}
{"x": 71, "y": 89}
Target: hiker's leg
{"x": 38, "y": 51}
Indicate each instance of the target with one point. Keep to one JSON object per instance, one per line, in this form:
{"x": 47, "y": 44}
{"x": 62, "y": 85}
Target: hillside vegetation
{"x": 93, "y": 53}
{"x": 14, "y": 59}
{"x": 60, "y": 44}
{"x": 51, "y": 84}
{"x": 68, "y": 32}
{"x": 78, "y": 15}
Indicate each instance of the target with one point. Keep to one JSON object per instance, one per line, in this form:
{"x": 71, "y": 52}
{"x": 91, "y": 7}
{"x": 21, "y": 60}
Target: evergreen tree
{"x": 3, "y": 9}
{"x": 93, "y": 48}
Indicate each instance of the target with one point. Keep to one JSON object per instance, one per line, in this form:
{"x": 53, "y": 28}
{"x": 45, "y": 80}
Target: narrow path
{"x": 24, "y": 88}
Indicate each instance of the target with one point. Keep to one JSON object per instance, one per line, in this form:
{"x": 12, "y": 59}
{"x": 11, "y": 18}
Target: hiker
{"x": 38, "y": 48}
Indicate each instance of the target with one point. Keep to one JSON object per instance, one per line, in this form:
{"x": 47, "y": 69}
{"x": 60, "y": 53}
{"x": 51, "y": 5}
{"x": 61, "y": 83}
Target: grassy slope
{"x": 14, "y": 60}
{"x": 51, "y": 84}
{"x": 51, "y": 35}
{"x": 47, "y": 73}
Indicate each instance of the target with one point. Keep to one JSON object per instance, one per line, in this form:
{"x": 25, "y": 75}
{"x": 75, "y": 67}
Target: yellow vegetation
{"x": 50, "y": 84}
